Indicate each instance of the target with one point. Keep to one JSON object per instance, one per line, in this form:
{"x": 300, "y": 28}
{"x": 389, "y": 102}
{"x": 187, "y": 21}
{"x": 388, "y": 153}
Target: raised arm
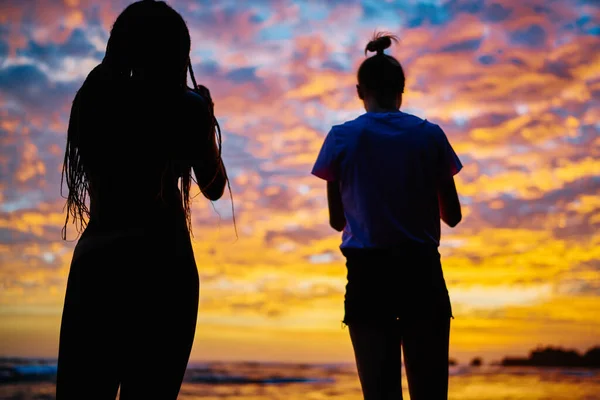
{"x": 337, "y": 220}
{"x": 210, "y": 174}
{"x": 208, "y": 165}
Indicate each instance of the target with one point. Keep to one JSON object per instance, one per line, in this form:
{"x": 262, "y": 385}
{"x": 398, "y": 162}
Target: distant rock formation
{"x": 476, "y": 362}
{"x": 556, "y": 357}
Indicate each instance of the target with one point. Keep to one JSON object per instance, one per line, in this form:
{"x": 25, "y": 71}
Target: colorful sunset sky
{"x": 515, "y": 84}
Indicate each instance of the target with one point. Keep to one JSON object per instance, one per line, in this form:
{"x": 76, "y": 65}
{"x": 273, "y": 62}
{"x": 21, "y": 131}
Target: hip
{"x": 410, "y": 263}
{"x": 396, "y": 283}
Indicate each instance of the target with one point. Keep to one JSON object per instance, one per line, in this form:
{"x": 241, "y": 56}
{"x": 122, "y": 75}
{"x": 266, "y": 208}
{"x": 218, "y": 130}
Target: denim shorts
{"x": 395, "y": 284}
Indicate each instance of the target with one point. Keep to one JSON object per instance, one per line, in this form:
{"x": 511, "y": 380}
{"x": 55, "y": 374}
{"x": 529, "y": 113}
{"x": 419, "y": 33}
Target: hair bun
{"x": 380, "y": 42}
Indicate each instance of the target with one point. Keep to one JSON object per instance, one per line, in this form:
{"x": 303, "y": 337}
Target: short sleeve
{"x": 449, "y": 163}
{"x": 327, "y": 165}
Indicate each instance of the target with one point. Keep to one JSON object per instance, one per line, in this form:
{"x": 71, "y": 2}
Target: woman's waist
{"x": 144, "y": 221}
{"x": 112, "y": 215}
{"x": 104, "y": 236}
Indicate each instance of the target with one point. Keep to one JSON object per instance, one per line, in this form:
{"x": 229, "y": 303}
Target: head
{"x": 149, "y": 41}
{"x": 380, "y": 77}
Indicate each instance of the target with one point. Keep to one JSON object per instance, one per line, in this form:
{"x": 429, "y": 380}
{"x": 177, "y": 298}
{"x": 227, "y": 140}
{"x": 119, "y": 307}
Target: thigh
{"x": 377, "y": 350}
{"x": 87, "y": 359}
{"x": 158, "y": 334}
{"x": 425, "y": 342}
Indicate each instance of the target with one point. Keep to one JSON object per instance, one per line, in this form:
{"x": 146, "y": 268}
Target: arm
{"x": 210, "y": 173}
{"x": 448, "y": 165}
{"x": 337, "y": 220}
{"x": 327, "y": 168}
{"x": 450, "y": 210}
{"x": 209, "y": 169}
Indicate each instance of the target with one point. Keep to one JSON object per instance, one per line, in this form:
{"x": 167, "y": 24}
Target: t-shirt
{"x": 388, "y": 166}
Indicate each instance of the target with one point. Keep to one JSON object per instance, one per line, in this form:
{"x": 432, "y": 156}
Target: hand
{"x": 205, "y": 93}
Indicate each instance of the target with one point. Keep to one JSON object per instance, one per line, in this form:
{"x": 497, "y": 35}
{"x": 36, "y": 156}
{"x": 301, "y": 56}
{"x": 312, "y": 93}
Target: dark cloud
{"x": 334, "y": 66}
{"x": 517, "y": 61}
{"x": 10, "y": 164}
{"x": 533, "y": 213}
{"x": 572, "y": 282}
{"x": 210, "y": 11}
{"x": 206, "y": 69}
{"x": 28, "y": 85}
{"x": 20, "y": 76}
{"x": 532, "y": 36}
{"x": 589, "y": 25}
{"x": 242, "y": 75}
{"x": 465, "y": 45}
{"x": 466, "y": 6}
{"x": 496, "y": 12}
{"x": 487, "y": 59}
{"x": 237, "y": 151}
{"x": 586, "y": 137}
{"x": 592, "y": 265}
{"x": 53, "y": 54}
{"x": 257, "y": 18}
{"x": 15, "y": 237}
{"x": 4, "y": 48}
{"x": 582, "y": 287}
{"x": 491, "y": 119}
{"x": 560, "y": 69}
{"x": 540, "y": 9}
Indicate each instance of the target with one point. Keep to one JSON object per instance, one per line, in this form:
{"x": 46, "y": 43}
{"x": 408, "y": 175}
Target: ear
{"x": 359, "y": 92}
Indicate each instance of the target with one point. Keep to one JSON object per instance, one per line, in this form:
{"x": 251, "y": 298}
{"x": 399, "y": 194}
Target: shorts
{"x": 395, "y": 284}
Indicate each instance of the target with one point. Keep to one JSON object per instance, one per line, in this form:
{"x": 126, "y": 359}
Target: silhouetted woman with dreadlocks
{"x": 135, "y": 131}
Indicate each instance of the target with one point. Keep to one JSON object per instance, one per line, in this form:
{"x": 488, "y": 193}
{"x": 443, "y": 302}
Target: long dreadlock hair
{"x": 148, "y": 37}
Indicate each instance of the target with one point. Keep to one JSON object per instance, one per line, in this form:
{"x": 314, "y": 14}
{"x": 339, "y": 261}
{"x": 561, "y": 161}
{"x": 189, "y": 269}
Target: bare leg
{"x": 88, "y": 349}
{"x": 129, "y": 319}
{"x": 379, "y": 361}
{"x": 426, "y": 345}
{"x": 158, "y": 328}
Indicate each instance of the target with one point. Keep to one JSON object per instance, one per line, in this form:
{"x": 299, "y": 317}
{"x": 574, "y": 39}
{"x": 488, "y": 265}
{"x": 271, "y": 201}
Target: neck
{"x": 377, "y": 109}
{"x": 371, "y": 105}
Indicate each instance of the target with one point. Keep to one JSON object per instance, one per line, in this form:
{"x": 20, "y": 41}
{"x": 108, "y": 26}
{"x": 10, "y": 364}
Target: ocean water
{"x": 252, "y": 381}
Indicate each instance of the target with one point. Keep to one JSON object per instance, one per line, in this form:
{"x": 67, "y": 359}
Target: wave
{"x": 47, "y": 373}
{"x": 27, "y": 373}
{"x": 273, "y": 374}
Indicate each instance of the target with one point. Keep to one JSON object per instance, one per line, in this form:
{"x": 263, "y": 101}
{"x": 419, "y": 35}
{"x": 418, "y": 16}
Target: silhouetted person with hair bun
{"x": 389, "y": 180}
{"x": 136, "y": 133}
